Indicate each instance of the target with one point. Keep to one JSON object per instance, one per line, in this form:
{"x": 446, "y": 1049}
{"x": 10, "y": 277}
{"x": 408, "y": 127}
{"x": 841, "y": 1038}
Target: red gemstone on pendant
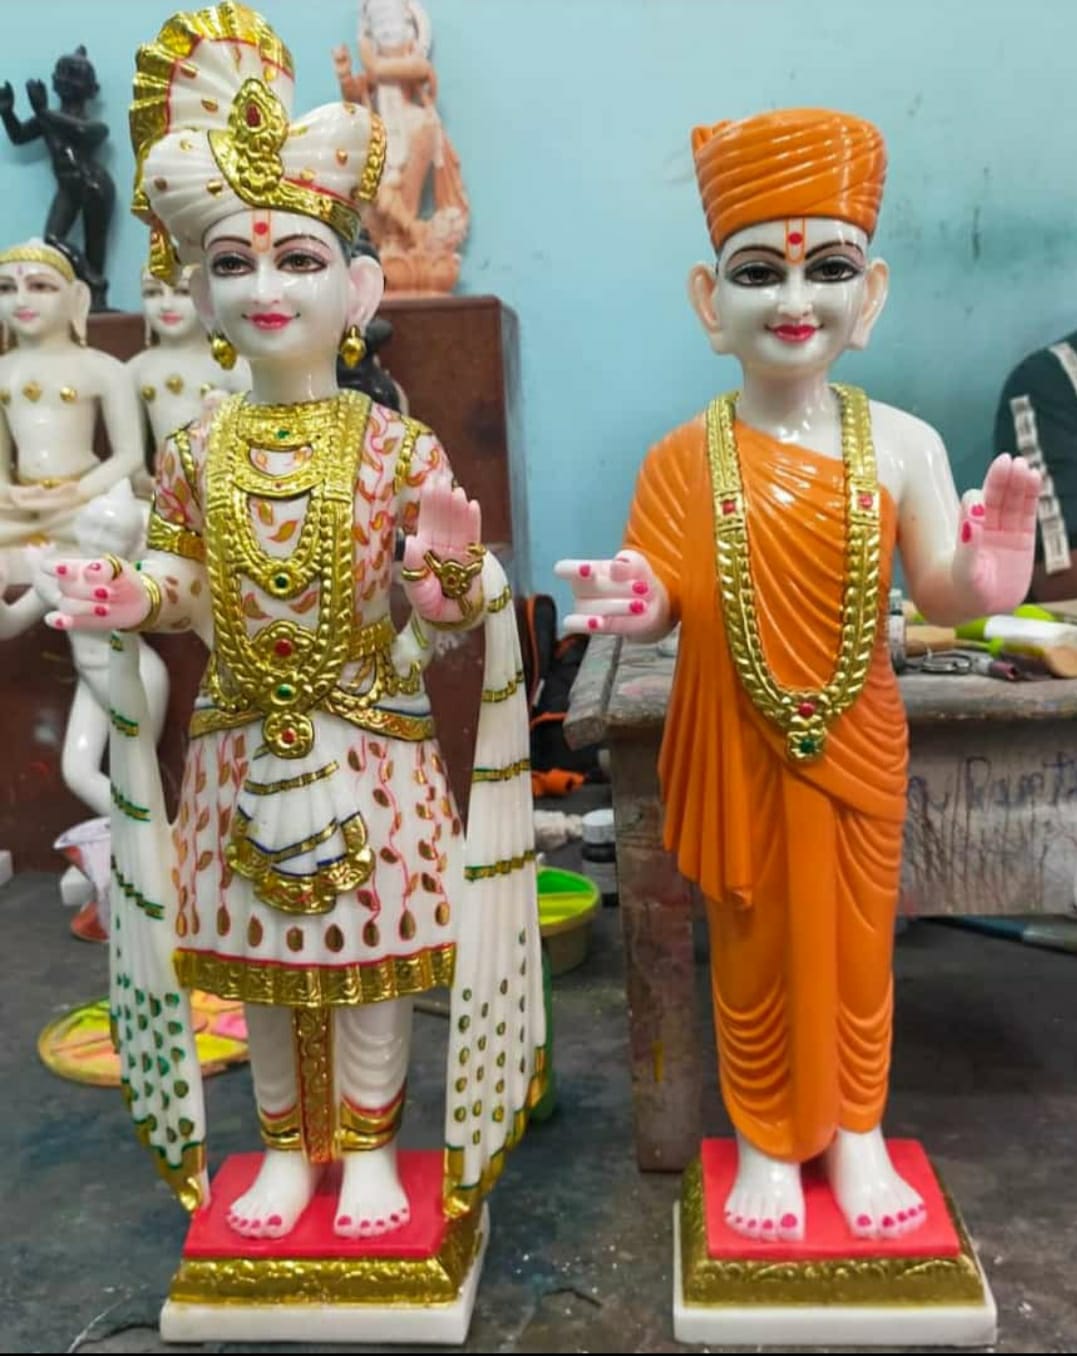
{"x": 866, "y": 500}
{"x": 287, "y": 736}
{"x": 806, "y": 709}
{"x": 254, "y": 118}
{"x": 729, "y": 506}
{"x": 284, "y": 648}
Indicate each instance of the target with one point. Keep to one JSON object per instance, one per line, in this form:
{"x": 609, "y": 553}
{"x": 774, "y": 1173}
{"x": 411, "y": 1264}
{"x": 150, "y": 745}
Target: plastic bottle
{"x": 600, "y": 853}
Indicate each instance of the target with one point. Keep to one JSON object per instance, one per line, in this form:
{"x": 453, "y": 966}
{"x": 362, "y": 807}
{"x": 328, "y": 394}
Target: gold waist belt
{"x": 372, "y": 643}
{"x": 375, "y": 720}
{"x": 49, "y": 482}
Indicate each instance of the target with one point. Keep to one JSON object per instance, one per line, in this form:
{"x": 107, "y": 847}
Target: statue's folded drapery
{"x": 799, "y": 863}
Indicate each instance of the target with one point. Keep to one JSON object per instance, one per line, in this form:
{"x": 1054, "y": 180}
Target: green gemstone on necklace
{"x": 280, "y": 581}
{"x": 282, "y": 433}
{"x": 285, "y": 691}
{"x": 808, "y": 745}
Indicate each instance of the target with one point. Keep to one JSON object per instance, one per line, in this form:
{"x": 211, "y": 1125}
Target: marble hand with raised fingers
{"x": 442, "y": 571}
{"x": 997, "y": 537}
{"x": 620, "y": 597}
{"x": 107, "y": 594}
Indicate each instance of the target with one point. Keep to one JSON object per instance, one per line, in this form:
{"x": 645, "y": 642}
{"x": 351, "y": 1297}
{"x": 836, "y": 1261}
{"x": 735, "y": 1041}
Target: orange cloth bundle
{"x": 796, "y": 162}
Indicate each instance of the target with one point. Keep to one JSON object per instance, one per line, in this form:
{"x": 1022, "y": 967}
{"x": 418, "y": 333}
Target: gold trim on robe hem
{"x": 252, "y": 981}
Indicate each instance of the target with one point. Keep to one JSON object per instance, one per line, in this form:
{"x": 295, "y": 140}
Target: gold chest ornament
{"x": 803, "y": 715}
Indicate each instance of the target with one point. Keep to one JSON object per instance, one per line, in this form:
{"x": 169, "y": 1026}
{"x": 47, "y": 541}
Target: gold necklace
{"x": 285, "y": 670}
{"x": 803, "y": 715}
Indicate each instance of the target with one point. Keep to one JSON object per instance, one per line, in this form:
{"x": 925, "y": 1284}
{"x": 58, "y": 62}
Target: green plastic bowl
{"x": 567, "y": 904}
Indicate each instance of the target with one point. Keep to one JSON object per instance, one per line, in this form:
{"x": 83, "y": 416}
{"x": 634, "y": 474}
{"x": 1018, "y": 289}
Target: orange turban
{"x": 796, "y": 162}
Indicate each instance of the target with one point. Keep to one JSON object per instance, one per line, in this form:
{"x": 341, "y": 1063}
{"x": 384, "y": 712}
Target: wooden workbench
{"x": 991, "y": 829}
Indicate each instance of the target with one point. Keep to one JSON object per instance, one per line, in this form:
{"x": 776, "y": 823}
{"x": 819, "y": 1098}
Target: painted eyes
{"x": 301, "y": 261}
{"x": 834, "y": 268}
{"x": 755, "y": 275}
{"x": 7, "y": 287}
{"x": 230, "y": 265}
{"x": 234, "y": 265}
{"x": 40, "y": 285}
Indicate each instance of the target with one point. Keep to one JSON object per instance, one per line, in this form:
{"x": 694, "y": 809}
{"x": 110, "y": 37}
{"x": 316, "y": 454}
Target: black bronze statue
{"x": 82, "y": 186}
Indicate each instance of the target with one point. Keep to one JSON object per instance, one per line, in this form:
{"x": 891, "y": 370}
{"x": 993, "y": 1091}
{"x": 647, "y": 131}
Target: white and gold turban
{"x": 212, "y": 133}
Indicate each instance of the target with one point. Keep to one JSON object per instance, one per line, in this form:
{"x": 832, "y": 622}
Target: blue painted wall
{"x": 572, "y": 121}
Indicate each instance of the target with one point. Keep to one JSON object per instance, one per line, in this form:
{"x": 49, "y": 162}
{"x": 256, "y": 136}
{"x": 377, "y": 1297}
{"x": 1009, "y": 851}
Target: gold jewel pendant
{"x": 803, "y": 715}
{"x": 290, "y": 672}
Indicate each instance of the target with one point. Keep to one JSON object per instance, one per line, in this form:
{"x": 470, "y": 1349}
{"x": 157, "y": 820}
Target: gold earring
{"x": 223, "y": 352}
{"x": 352, "y": 347}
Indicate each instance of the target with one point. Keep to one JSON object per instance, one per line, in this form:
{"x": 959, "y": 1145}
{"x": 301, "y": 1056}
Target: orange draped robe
{"x": 799, "y": 863}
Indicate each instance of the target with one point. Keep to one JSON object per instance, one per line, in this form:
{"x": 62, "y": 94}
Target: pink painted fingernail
{"x": 863, "y": 1221}
{"x": 768, "y": 1224}
{"x": 100, "y": 593}
{"x": 100, "y": 611}
{"x": 640, "y": 587}
{"x": 61, "y": 569}
{"x": 592, "y": 623}
{"x": 585, "y": 570}
{"x": 966, "y": 531}
{"x": 789, "y": 1221}
{"x": 977, "y": 510}
{"x": 636, "y": 607}
{"x": 888, "y": 1221}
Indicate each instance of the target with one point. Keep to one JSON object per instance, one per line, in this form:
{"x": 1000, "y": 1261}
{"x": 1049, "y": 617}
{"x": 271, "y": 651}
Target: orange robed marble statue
{"x": 766, "y": 527}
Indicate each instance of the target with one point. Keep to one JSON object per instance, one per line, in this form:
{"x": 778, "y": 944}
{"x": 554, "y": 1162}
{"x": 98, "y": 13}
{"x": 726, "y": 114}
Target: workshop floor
{"x": 985, "y": 1072}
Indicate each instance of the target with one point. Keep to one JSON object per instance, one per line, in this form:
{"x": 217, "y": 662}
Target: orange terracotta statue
{"x": 766, "y": 527}
{"x": 418, "y": 245}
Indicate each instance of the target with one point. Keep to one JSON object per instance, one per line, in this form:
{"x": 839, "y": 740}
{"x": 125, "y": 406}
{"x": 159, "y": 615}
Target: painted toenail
{"x": 274, "y": 1221}
{"x": 344, "y": 1221}
{"x": 888, "y": 1221}
{"x": 768, "y": 1224}
{"x": 751, "y": 1224}
{"x": 903, "y": 1214}
{"x": 863, "y": 1221}
{"x": 789, "y": 1221}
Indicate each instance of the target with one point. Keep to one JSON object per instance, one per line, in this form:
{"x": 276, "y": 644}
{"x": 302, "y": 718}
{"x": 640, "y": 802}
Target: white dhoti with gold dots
{"x": 394, "y": 935}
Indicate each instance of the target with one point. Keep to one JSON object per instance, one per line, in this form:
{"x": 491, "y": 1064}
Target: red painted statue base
{"x": 831, "y": 1289}
{"x": 416, "y": 1284}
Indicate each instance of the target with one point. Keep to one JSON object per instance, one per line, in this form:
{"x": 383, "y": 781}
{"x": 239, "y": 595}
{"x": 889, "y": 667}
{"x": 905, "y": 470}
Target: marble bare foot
{"x": 281, "y": 1192}
{"x": 767, "y": 1200}
{"x": 372, "y": 1201}
{"x": 876, "y": 1202}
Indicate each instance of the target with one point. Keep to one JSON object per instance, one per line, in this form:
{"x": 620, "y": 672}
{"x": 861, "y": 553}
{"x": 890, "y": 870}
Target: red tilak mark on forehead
{"x": 260, "y": 232}
{"x": 795, "y": 238}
